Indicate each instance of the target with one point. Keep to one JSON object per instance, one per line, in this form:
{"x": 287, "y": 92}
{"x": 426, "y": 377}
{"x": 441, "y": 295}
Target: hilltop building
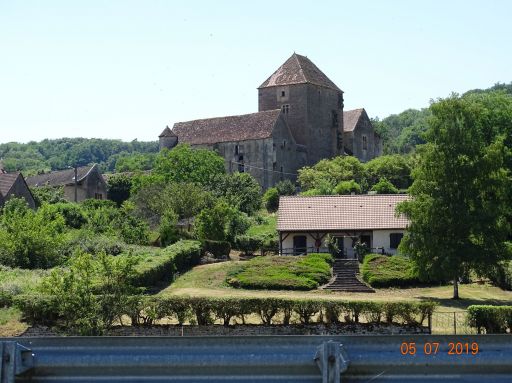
{"x": 300, "y": 120}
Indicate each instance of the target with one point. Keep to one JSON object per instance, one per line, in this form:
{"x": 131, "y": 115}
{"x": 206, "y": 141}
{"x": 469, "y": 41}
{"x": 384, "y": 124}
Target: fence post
{"x": 454, "y": 323}
{"x": 430, "y": 323}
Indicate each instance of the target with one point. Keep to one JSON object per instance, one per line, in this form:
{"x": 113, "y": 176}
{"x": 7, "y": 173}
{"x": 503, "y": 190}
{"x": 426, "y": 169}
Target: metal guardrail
{"x": 326, "y": 359}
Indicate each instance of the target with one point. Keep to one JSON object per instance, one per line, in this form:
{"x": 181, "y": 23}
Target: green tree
{"x": 461, "y": 194}
{"x": 347, "y": 187}
{"x": 384, "y": 187}
{"x": 285, "y": 187}
{"x": 395, "y": 168}
{"x": 185, "y": 164}
{"x": 118, "y": 188}
{"x": 213, "y": 223}
{"x": 168, "y": 230}
{"x": 330, "y": 172}
{"x": 240, "y": 190}
{"x": 30, "y": 239}
{"x": 271, "y": 199}
{"x": 47, "y": 194}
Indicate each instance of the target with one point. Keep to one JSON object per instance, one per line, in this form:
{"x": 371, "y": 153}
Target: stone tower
{"x": 311, "y": 104}
{"x": 167, "y": 139}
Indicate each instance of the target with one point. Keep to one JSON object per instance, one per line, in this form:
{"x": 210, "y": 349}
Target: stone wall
{"x": 219, "y": 330}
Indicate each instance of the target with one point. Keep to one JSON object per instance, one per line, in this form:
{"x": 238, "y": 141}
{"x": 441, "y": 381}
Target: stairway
{"x": 345, "y": 278}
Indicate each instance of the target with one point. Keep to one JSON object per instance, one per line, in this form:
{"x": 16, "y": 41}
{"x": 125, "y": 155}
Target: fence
{"x": 451, "y": 322}
{"x": 303, "y": 359}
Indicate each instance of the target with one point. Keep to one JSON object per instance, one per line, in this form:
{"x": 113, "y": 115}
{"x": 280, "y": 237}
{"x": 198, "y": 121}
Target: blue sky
{"x": 125, "y": 69}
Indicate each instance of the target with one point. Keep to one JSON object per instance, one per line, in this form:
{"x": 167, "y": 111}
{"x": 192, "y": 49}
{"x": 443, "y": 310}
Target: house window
{"x": 237, "y": 149}
{"x": 365, "y": 142}
{"x": 241, "y": 167}
{"x": 98, "y": 196}
{"x": 283, "y": 93}
{"x": 395, "y": 239}
{"x": 285, "y": 108}
{"x": 299, "y": 245}
{"x": 274, "y": 166}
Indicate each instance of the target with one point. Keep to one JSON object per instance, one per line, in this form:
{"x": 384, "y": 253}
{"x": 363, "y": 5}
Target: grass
{"x": 266, "y": 228}
{"x": 384, "y": 271}
{"x": 20, "y": 281}
{"x": 283, "y": 273}
{"x": 209, "y": 280}
{"x": 10, "y": 322}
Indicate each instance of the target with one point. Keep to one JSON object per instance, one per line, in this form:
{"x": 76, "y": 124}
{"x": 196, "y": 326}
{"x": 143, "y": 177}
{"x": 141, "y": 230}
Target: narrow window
{"x": 274, "y": 166}
{"x": 285, "y": 108}
{"x": 237, "y": 149}
{"x": 365, "y": 143}
{"x": 395, "y": 239}
{"x": 283, "y": 93}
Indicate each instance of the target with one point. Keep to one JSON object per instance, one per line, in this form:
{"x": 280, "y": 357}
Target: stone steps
{"x": 345, "y": 278}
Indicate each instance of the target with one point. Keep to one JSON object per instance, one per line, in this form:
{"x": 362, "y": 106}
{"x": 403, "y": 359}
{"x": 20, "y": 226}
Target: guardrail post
{"x": 15, "y": 359}
{"x": 332, "y": 360}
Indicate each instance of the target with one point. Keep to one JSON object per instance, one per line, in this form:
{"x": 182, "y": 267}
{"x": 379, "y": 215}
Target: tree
{"x": 48, "y": 194}
{"x": 118, "y": 188}
{"x": 214, "y": 223}
{"x": 347, "y": 187}
{"x": 285, "y": 187}
{"x": 384, "y": 187}
{"x": 240, "y": 190}
{"x": 185, "y": 164}
{"x": 395, "y": 168}
{"x": 461, "y": 195}
{"x": 271, "y": 199}
{"x": 330, "y": 172}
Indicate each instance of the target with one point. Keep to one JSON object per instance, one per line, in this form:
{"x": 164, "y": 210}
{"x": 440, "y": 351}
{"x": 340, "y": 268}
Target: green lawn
{"x": 209, "y": 280}
{"x": 268, "y": 227}
{"x": 19, "y": 281}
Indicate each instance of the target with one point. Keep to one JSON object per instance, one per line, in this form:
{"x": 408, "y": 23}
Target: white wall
{"x": 381, "y": 239}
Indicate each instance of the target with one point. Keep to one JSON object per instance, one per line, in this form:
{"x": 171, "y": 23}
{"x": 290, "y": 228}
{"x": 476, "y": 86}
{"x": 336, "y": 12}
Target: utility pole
{"x": 76, "y": 183}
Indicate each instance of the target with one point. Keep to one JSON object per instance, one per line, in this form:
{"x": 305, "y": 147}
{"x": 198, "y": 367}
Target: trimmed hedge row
{"x": 389, "y": 271}
{"x": 145, "y": 310}
{"x": 251, "y": 244}
{"x": 178, "y": 257}
{"x": 492, "y": 319}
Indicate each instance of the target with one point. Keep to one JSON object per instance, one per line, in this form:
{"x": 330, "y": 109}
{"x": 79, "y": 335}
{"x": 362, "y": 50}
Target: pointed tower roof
{"x": 351, "y": 118}
{"x": 298, "y": 70}
{"x": 167, "y": 133}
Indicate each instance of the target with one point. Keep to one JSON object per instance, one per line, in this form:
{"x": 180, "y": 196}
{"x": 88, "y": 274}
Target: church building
{"x": 300, "y": 120}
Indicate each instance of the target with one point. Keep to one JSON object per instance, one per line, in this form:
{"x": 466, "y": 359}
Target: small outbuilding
{"x": 14, "y": 185}
{"x": 304, "y": 223}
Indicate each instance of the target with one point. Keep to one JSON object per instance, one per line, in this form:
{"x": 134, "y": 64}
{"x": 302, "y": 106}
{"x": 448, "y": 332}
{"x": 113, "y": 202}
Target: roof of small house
{"x": 60, "y": 177}
{"x": 7, "y": 180}
{"x": 252, "y": 126}
{"x": 299, "y": 70}
{"x": 167, "y": 132}
{"x": 351, "y": 118}
{"x": 344, "y": 212}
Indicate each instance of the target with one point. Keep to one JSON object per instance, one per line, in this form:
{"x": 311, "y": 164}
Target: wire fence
{"x": 451, "y": 323}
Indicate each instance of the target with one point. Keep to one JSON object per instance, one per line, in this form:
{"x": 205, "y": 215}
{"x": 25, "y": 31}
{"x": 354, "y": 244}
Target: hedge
{"x": 492, "y": 319}
{"x": 178, "y": 257}
{"x": 145, "y": 310}
{"x": 219, "y": 249}
{"x": 389, "y": 271}
{"x": 252, "y": 243}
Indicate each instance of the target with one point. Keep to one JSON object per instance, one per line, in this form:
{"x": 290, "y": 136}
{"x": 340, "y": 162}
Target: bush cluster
{"x": 176, "y": 258}
{"x": 492, "y": 319}
{"x": 217, "y": 248}
{"x": 389, "y": 271}
{"x": 205, "y": 310}
{"x": 283, "y": 273}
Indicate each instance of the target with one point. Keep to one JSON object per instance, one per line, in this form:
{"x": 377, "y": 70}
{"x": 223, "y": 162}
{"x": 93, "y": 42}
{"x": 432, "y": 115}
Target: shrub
{"x": 384, "y": 187}
{"x": 289, "y": 273}
{"x": 271, "y": 200}
{"x": 347, "y": 187}
{"x": 168, "y": 230}
{"x": 92, "y": 243}
{"x": 159, "y": 265}
{"x": 217, "y": 248}
{"x": 248, "y": 244}
{"x": 285, "y": 187}
{"x": 389, "y": 271}
{"x": 492, "y": 319}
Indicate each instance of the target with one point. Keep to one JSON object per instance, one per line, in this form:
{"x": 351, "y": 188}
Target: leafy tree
{"x": 347, "y": 187}
{"x": 72, "y": 213}
{"x": 214, "y": 223}
{"x": 395, "y": 168}
{"x": 460, "y": 206}
{"x": 48, "y": 194}
{"x": 330, "y": 172}
{"x": 29, "y": 239}
{"x": 185, "y": 164}
{"x": 285, "y": 187}
{"x": 384, "y": 187}
{"x": 271, "y": 199}
{"x": 323, "y": 188}
{"x": 135, "y": 162}
{"x": 118, "y": 188}
{"x": 168, "y": 230}
{"x": 240, "y": 190}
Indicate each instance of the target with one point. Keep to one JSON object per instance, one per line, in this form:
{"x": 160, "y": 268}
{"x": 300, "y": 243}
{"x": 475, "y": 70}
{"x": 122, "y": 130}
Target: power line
{"x": 262, "y": 169}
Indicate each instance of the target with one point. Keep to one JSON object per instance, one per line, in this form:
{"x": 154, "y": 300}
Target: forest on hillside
{"x": 400, "y": 133}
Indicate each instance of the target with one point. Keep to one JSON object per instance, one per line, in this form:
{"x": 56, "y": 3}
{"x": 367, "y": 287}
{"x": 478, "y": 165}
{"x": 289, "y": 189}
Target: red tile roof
{"x": 252, "y": 126}
{"x": 6, "y": 182}
{"x": 298, "y": 70}
{"x": 347, "y": 212}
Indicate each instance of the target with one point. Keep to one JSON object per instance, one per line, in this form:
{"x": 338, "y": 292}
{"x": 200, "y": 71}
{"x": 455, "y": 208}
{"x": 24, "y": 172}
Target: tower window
{"x": 365, "y": 143}
{"x": 283, "y": 93}
{"x": 285, "y": 108}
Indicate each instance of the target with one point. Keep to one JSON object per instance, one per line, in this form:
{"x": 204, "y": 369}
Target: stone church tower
{"x": 311, "y": 104}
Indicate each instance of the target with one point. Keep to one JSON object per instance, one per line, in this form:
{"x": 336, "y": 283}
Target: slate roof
{"x": 61, "y": 177}
{"x": 167, "y": 133}
{"x": 351, "y": 118}
{"x": 347, "y": 212}
{"x": 299, "y": 70}
{"x": 6, "y": 182}
{"x": 252, "y": 126}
